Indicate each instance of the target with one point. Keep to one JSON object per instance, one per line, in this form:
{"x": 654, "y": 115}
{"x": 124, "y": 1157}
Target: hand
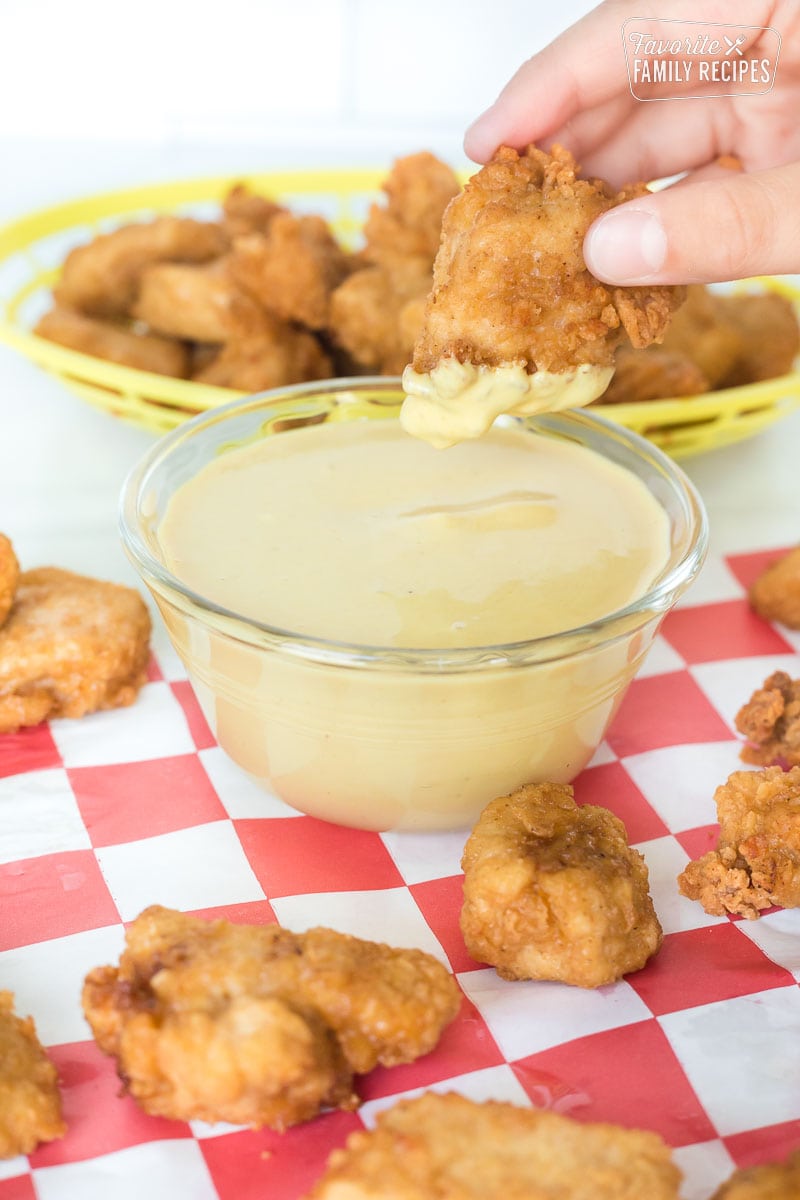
{"x": 717, "y": 223}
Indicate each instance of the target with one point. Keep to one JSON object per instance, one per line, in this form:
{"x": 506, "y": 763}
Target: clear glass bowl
{"x": 387, "y": 738}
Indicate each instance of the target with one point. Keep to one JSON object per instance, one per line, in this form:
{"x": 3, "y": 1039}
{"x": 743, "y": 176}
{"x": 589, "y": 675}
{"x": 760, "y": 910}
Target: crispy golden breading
{"x": 652, "y": 374}
{"x": 375, "y": 322}
{"x": 30, "y": 1104}
{"x": 291, "y": 269}
{"x": 553, "y": 891}
{"x": 773, "y": 1181}
{"x": 115, "y": 343}
{"x": 775, "y": 595}
{"x": 510, "y": 282}
{"x": 770, "y": 720}
{"x": 257, "y": 1025}
{"x": 403, "y": 235}
{"x": 9, "y": 576}
{"x": 101, "y": 278}
{"x": 445, "y": 1147}
{"x": 757, "y": 860}
{"x": 191, "y": 302}
{"x": 769, "y": 336}
{"x": 70, "y": 646}
{"x": 266, "y": 353}
{"x": 246, "y": 212}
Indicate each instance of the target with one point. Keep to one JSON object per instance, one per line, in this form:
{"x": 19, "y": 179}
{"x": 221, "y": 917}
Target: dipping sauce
{"x": 459, "y": 400}
{"x": 353, "y": 532}
{"x": 358, "y": 533}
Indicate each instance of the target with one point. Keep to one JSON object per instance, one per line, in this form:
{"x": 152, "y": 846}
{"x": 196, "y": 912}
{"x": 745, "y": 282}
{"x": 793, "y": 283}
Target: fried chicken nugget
{"x": 191, "y": 302}
{"x": 772, "y": 1181}
{"x": 775, "y": 595}
{"x": 445, "y": 1147}
{"x": 703, "y": 332}
{"x": 265, "y": 352}
{"x": 513, "y": 304}
{"x": 652, "y": 374}
{"x": 70, "y": 646}
{"x": 9, "y": 576}
{"x": 102, "y": 277}
{"x": 375, "y": 322}
{"x": 699, "y": 348}
{"x": 115, "y": 343}
{"x": 770, "y": 720}
{"x": 402, "y": 235}
{"x": 246, "y": 212}
{"x": 769, "y": 336}
{"x": 30, "y": 1104}
{"x": 292, "y": 269}
{"x": 553, "y": 891}
{"x": 256, "y": 1025}
{"x": 757, "y": 860}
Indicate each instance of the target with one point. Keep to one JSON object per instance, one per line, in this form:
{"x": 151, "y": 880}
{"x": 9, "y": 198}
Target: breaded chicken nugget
{"x": 553, "y": 891}
{"x": 757, "y": 860}
{"x": 769, "y": 336}
{"x": 9, "y": 576}
{"x": 699, "y": 348}
{"x": 101, "y": 278}
{"x": 266, "y": 353}
{"x": 70, "y": 646}
{"x": 775, "y": 595}
{"x": 190, "y": 302}
{"x": 402, "y": 235}
{"x": 652, "y": 374}
{"x": 703, "y": 332}
{"x": 257, "y": 1025}
{"x": 770, "y": 720}
{"x": 291, "y": 269}
{"x": 512, "y": 294}
{"x": 245, "y": 212}
{"x": 773, "y": 1181}
{"x": 375, "y": 322}
{"x": 30, "y": 1104}
{"x": 445, "y": 1147}
{"x": 115, "y": 343}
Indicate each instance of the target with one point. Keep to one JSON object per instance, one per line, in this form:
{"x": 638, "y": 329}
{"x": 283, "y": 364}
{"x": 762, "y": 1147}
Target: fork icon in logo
{"x": 734, "y": 45}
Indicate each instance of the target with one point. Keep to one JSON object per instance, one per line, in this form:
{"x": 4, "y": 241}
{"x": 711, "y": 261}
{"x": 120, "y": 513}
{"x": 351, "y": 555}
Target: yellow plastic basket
{"x": 33, "y": 248}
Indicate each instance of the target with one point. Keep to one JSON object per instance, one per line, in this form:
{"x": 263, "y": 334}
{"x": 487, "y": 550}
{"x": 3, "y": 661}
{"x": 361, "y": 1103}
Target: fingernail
{"x": 626, "y": 245}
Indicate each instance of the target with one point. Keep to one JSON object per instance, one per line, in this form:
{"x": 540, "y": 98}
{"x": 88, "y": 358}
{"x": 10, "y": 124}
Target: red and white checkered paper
{"x": 103, "y": 816}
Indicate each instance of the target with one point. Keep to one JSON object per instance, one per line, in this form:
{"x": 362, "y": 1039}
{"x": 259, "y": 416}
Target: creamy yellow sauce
{"x": 458, "y": 400}
{"x": 357, "y": 533}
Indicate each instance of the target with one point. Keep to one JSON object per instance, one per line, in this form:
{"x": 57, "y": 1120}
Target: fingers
{"x": 583, "y": 68}
{"x": 728, "y": 228}
{"x": 552, "y": 86}
{"x": 660, "y": 140}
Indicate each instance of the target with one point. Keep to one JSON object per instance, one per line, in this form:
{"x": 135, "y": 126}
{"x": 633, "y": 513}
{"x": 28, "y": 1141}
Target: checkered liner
{"x": 101, "y": 817}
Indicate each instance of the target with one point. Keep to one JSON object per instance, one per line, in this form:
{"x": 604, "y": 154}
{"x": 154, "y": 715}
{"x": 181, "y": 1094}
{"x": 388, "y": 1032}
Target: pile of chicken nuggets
{"x": 265, "y": 297}
{"x": 262, "y": 298}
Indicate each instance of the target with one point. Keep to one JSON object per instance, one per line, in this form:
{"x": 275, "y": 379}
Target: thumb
{"x": 704, "y": 232}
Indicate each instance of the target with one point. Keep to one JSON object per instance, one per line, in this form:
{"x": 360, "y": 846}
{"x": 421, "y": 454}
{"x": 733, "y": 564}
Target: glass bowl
{"x": 386, "y": 738}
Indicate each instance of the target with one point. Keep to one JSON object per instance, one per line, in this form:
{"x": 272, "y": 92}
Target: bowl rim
{"x": 605, "y": 630}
